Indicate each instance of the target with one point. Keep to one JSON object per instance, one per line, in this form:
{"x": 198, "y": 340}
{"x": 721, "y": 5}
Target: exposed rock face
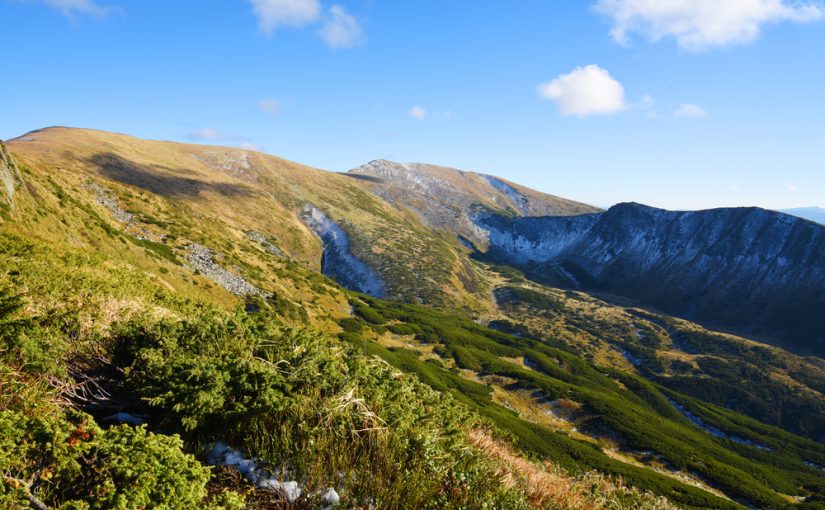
{"x": 338, "y": 263}
{"x": 9, "y": 176}
{"x": 748, "y": 269}
{"x": 105, "y": 198}
{"x": 446, "y": 198}
{"x": 202, "y": 259}
{"x": 265, "y": 243}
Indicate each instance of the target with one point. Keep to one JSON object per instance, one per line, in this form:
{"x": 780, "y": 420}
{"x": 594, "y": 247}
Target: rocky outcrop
{"x": 746, "y": 269}
{"x": 202, "y": 260}
{"x": 9, "y": 177}
{"x": 265, "y": 243}
{"x": 106, "y": 198}
{"x": 338, "y": 263}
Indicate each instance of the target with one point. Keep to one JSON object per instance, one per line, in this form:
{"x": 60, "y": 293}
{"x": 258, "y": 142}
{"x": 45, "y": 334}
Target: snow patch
{"x": 634, "y": 360}
{"x": 338, "y": 263}
{"x": 518, "y": 200}
{"x": 222, "y": 455}
{"x": 713, "y": 430}
{"x": 127, "y": 418}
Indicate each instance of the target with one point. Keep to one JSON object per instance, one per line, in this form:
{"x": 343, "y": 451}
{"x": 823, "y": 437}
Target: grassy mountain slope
{"x": 86, "y": 337}
{"x": 183, "y": 281}
{"x": 584, "y": 415}
{"x": 216, "y": 197}
{"x": 446, "y": 198}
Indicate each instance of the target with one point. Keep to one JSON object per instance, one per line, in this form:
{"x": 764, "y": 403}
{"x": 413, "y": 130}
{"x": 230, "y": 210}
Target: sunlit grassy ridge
{"x": 96, "y": 255}
{"x": 82, "y": 334}
{"x": 214, "y": 196}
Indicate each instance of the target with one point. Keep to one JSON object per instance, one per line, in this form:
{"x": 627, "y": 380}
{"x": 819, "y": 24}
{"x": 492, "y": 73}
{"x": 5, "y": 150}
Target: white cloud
{"x": 702, "y": 24}
{"x": 205, "y": 134}
{"x": 341, "y": 30}
{"x": 418, "y": 112}
{"x": 250, "y": 147}
{"x": 792, "y": 188}
{"x": 270, "y": 106}
{"x": 647, "y": 104}
{"x": 690, "y": 111}
{"x": 734, "y": 188}
{"x": 71, "y": 8}
{"x": 588, "y": 90}
{"x": 273, "y": 14}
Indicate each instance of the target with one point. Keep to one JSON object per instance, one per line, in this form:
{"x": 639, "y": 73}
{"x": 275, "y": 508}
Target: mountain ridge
{"x": 815, "y": 214}
{"x": 733, "y": 259}
{"x": 446, "y": 198}
{"x": 217, "y": 242}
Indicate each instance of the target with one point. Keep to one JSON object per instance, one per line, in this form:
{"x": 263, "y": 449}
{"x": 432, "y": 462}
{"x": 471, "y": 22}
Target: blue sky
{"x": 681, "y": 104}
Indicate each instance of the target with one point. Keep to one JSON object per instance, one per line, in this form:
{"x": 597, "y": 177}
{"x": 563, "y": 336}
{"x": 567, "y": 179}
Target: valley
{"x": 405, "y": 334}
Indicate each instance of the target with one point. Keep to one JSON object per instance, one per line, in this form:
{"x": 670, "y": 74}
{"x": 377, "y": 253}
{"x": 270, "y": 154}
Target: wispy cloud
{"x": 274, "y": 14}
{"x": 585, "y": 91}
{"x": 791, "y": 188}
{"x": 251, "y": 147}
{"x": 690, "y": 111}
{"x": 341, "y": 30}
{"x": 699, "y": 25}
{"x": 205, "y": 134}
{"x": 74, "y": 8}
{"x": 270, "y": 106}
{"x": 338, "y": 28}
{"x": 418, "y": 112}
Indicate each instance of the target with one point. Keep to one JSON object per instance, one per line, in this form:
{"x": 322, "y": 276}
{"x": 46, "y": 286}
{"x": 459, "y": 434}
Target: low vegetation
{"x": 761, "y": 466}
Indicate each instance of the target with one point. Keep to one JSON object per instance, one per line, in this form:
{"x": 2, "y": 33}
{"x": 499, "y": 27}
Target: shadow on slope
{"x": 163, "y": 181}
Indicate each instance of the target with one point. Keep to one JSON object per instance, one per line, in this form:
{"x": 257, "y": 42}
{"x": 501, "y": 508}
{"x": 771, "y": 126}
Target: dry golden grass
{"x": 213, "y": 195}
{"x": 548, "y": 487}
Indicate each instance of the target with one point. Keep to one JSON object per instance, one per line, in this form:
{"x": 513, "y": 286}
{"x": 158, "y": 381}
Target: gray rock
{"x": 9, "y": 176}
{"x": 267, "y": 245}
{"x": 104, "y": 197}
{"x": 331, "y": 497}
{"x": 202, "y": 259}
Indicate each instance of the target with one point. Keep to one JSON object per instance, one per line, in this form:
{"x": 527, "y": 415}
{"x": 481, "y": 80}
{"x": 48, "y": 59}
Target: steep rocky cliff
{"x": 744, "y": 268}
{"x": 9, "y": 177}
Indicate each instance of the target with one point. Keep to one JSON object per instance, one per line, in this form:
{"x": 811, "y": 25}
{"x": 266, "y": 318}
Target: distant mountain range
{"x": 816, "y": 214}
{"x": 745, "y": 268}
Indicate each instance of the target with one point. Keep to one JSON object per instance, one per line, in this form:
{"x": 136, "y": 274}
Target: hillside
{"x": 304, "y": 330}
{"x": 447, "y": 198}
{"x": 242, "y": 197}
{"x": 746, "y": 269}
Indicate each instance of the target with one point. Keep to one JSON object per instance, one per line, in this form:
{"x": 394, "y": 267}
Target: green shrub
{"x": 351, "y": 325}
{"x": 71, "y": 463}
{"x": 292, "y": 397}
